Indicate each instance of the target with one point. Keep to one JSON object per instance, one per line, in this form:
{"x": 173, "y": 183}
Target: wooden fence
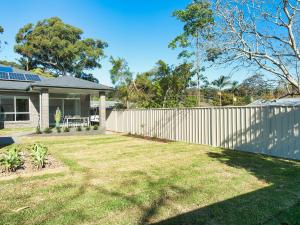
{"x": 269, "y": 130}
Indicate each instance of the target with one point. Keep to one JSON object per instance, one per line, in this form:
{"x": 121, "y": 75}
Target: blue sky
{"x": 138, "y": 31}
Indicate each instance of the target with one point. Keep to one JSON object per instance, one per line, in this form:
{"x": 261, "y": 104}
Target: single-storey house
{"x": 30, "y": 100}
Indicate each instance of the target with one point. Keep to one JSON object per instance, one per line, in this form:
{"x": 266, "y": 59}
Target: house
{"x": 30, "y": 100}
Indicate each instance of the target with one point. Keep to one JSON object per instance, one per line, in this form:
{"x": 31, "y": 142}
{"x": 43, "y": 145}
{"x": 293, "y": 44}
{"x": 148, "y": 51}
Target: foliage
{"x": 87, "y": 76}
{"x": 78, "y": 128}
{"x": 58, "y": 129}
{"x": 198, "y": 19}
{"x": 11, "y": 159}
{"x": 39, "y": 155}
{"x": 95, "y": 127}
{"x": 58, "y": 47}
{"x": 11, "y": 64}
{"x": 48, "y": 130}
{"x": 88, "y": 128}
{"x": 121, "y": 77}
{"x": 41, "y": 72}
{"x": 66, "y": 129}
{"x": 163, "y": 86}
{"x": 38, "y": 130}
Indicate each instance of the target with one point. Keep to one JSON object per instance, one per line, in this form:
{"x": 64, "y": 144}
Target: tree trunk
{"x": 198, "y": 68}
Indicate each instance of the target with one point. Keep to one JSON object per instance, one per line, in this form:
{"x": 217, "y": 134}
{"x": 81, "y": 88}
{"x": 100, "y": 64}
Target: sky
{"x": 137, "y": 30}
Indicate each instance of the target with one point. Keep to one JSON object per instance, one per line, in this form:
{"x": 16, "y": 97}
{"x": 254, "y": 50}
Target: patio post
{"x": 44, "y": 109}
{"x": 102, "y": 111}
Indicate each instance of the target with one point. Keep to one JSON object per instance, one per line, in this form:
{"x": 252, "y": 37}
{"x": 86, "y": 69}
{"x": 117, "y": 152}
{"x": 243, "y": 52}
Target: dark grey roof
{"x": 14, "y": 85}
{"x": 70, "y": 82}
{"x": 60, "y": 82}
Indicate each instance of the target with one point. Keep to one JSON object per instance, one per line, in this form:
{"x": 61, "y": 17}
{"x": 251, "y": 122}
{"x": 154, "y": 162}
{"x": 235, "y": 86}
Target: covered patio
{"x": 72, "y": 97}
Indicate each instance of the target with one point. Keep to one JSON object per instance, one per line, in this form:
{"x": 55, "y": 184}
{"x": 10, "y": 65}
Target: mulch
{"x": 29, "y": 167}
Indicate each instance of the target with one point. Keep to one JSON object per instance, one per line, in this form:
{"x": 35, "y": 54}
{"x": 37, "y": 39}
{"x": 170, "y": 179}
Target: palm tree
{"x": 221, "y": 83}
{"x": 234, "y": 88}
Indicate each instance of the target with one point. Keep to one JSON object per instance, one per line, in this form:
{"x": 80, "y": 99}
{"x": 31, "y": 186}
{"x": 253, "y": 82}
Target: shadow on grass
{"x": 6, "y": 141}
{"x": 270, "y": 205}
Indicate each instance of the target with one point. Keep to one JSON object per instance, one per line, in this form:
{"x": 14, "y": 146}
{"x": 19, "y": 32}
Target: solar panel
{"x": 3, "y": 76}
{"x": 17, "y": 76}
{"x": 32, "y": 77}
{"x": 6, "y": 69}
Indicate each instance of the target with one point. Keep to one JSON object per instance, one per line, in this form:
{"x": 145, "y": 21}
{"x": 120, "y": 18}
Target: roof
{"x": 59, "y": 82}
{"x": 70, "y": 82}
{"x": 277, "y": 102}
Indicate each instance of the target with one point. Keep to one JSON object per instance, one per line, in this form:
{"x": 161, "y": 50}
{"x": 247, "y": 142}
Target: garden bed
{"x": 28, "y": 167}
{"x": 72, "y": 132}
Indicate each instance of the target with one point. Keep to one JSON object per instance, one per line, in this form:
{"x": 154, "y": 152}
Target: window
{"x": 14, "y": 108}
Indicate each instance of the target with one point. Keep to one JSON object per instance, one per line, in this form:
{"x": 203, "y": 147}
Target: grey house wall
{"x": 33, "y": 110}
{"x": 268, "y": 130}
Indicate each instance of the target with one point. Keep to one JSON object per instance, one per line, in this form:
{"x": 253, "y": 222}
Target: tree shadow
{"x": 262, "y": 206}
{"x": 6, "y": 141}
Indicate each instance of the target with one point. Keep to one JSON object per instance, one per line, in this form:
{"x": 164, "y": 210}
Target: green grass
{"x": 115, "y": 179}
{"x": 9, "y": 131}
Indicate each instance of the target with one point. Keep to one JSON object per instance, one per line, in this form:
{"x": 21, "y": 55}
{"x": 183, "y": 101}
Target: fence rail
{"x": 269, "y": 130}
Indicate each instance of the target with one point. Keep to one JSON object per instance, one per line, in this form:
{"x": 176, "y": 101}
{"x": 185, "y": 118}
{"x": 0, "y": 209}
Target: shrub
{"x": 11, "y": 159}
{"x": 78, "y": 129}
{"x": 58, "y": 129}
{"x": 39, "y": 155}
{"x": 95, "y": 127}
{"x": 48, "y": 130}
{"x": 38, "y": 130}
{"x": 87, "y": 128}
{"x": 66, "y": 129}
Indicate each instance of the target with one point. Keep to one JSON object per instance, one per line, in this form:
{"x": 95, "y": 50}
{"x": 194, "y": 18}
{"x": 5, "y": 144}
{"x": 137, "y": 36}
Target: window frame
{"x": 15, "y": 113}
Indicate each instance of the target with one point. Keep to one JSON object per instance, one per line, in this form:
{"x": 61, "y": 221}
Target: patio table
{"x": 76, "y": 121}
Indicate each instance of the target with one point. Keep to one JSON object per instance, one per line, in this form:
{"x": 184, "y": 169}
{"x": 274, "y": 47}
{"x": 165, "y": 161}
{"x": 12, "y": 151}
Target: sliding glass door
{"x": 69, "y": 107}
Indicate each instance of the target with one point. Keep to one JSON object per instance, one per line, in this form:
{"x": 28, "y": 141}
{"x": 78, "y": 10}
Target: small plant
{"x": 58, "y": 129}
{"x": 11, "y": 159}
{"x": 88, "y": 128}
{"x": 66, "y": 129}
{"x": 95, "y": 127}
{"x": 78, "y": 129}
{"x": 38, "y": 130}
{"x": 48, "y": 130}
{"x": 39, "y": 155}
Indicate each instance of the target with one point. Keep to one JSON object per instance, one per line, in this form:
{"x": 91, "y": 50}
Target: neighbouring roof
{"x": 277, "y": 102}
{"x": 59, "y": 82}
{"x": 109, "y": 104}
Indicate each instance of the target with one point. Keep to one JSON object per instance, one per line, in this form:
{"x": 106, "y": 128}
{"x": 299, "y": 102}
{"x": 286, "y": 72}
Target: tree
{"x": 198, "y": 19}
{"x": 234, "y": 88}
{"x": 262, "y": 35}
{"x": 121, "y": 77}
{"x": 221, "y": 83}
{"x": 58, "y": 47}
{"x": 256, "y": 86}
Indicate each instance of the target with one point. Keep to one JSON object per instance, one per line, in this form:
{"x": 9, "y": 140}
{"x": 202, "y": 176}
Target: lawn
{"x": 115, "y": 179}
